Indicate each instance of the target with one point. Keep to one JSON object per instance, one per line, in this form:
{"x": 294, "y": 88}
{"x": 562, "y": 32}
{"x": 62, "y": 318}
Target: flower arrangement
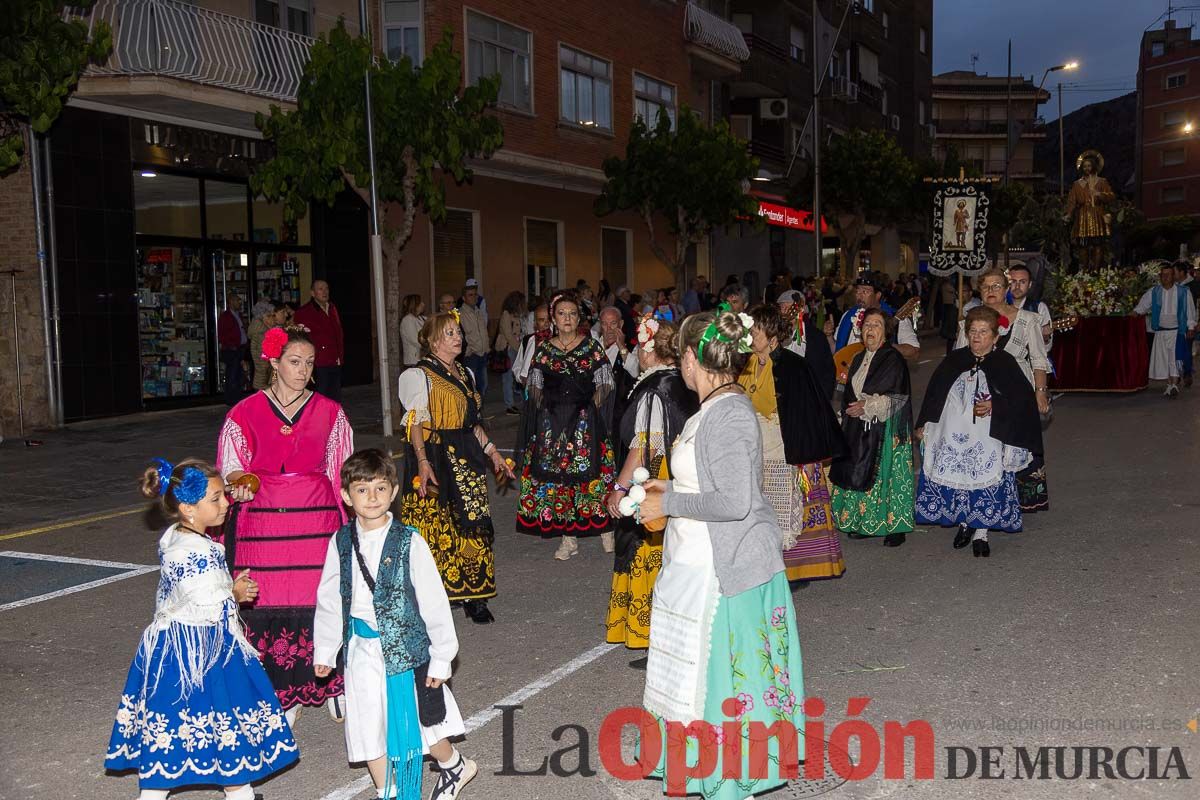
{"x": 1106, "y": 292}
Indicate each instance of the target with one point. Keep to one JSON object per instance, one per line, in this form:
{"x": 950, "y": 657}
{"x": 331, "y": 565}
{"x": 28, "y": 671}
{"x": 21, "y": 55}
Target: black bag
{"x": 499, "y": 362}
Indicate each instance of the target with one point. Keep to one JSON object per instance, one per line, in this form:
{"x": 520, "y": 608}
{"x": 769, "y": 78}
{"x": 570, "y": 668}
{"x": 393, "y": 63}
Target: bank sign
{"x": 786, "y": 217}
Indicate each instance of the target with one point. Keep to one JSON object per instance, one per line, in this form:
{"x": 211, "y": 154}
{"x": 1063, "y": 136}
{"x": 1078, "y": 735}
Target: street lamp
{"x": 1187, "y": 128}
{"x": 1070, "y": 66}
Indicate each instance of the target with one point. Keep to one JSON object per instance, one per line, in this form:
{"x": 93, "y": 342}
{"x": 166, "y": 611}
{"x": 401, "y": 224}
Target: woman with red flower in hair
{"x": 281, "y": 450}
{"x": 568, "y": 464}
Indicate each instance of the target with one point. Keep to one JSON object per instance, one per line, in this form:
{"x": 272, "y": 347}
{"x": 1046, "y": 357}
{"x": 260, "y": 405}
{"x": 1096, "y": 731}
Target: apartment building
{"x": 879, "y": 77}
{"x": 151, "y": 228}
{"x": 1167, "y": 168}
{"x": 971, "y": 113}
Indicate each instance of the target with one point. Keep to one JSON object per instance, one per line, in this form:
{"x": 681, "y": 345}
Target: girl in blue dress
{"x": 197, "y": 706}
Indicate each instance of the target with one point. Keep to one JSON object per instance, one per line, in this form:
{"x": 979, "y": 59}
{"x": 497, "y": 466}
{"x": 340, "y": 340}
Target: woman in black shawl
{"x": 658, "y": 406}
{"x": 873, "y": 482}
{"x": 568, "y": 457}
{"x": 980, "y": 427}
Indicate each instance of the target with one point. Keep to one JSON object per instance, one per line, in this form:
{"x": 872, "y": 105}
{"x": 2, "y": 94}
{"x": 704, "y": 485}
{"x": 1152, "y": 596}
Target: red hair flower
{"x": 273, "y": 343}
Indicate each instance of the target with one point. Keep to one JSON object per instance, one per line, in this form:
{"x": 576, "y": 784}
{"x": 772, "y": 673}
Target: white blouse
{"x": 1025, "y": 344}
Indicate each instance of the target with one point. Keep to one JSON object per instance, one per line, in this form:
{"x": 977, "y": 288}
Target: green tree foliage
{"x": 865, "y": 180}
{"x": 41, "y": 58}
{"x": 694, "y": 178}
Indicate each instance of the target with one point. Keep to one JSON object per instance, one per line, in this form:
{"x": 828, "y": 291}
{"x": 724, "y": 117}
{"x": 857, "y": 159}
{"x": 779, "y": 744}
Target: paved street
{"x": 1083, "y": 627}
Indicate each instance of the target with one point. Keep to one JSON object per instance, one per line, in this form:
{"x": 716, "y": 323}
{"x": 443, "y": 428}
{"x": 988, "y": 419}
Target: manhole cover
{"x": 836, "y": 760}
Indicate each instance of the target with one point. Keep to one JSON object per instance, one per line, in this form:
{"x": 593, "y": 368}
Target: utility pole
{"x": 385, "y": 396}
{"x": 818, "y": 73}
{"x": 1061, "y": 157}
{"x": 1007, "y": 137}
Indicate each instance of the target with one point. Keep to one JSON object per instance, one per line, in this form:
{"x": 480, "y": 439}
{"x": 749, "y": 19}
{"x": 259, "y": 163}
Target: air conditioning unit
{"x": 845, "y": 89}
{"x": 895, "y": 122}
{"x": 773, "y": 108}
{"x": 931, "y": 131}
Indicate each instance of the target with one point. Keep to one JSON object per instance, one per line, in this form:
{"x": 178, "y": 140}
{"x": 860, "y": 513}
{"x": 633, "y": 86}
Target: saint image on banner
{"x": 958, "y": 223}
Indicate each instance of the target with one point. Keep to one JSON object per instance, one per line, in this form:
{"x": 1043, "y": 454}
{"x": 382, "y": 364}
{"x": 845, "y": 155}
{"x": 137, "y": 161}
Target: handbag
{"x": 499, "y": 362}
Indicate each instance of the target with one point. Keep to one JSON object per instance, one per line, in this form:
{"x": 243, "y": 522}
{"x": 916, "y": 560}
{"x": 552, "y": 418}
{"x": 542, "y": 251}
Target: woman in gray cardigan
{"x": 723, "y": 625}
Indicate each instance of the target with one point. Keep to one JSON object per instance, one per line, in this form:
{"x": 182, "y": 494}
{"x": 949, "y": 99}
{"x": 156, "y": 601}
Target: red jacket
{"x": 325, "y": 330}
{"x": 230, "y": 332}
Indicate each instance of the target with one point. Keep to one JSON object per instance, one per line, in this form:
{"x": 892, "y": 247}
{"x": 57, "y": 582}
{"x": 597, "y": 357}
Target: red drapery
{"x": 1102, "y": 354}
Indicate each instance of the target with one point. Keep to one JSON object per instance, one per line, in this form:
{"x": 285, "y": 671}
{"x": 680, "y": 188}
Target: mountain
{"x": 1109, "y": 126}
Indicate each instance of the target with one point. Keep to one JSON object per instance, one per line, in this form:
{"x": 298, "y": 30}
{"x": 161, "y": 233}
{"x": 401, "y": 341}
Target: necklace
{"x": 286, "y": 428}
{"x": 562, "y": 343}
{"x": 726, "y": 385}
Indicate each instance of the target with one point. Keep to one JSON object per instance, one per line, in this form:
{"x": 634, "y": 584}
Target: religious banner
{"x": 960, "y": 217}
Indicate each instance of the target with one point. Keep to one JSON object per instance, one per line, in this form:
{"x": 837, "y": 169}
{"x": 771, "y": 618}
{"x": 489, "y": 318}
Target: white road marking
{"x": 926, "y": 361}
{"x": 91, "y": 562}
{"x": 41, "y": 598}
{"x": 481, "y": 718}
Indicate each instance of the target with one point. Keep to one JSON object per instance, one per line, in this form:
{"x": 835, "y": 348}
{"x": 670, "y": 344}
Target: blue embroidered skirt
{"x": 996, "y": 507}
{"x": 230, "y": 732}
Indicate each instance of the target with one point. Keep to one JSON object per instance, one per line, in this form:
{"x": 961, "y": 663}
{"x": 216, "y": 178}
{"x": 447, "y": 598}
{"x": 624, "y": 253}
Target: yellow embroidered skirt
{"x": 466, "y": 563}
{"x": 629, "y": 603}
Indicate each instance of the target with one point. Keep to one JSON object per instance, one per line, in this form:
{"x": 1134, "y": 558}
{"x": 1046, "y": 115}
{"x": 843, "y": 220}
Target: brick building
{"x": 1167, "y": 167}
{"x": 970, "y": 113}
{"x": 154, "y": 227}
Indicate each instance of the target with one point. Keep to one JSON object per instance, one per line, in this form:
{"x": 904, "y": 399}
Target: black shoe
{"x": 797, "y": 585}
{"x": 893, "y": 540}
{"x": 512, "y": 411}
{"x": 980, "y": 548}
{"x": 477, "y": 612}
{"x": 963, "y": 537}
{"x": 640, "y": 663}
{"x": 857, "y": 535}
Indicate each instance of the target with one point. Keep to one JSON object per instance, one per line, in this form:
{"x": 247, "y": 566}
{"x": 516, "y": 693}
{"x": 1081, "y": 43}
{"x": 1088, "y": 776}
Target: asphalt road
{"x": 1080, "y": 631}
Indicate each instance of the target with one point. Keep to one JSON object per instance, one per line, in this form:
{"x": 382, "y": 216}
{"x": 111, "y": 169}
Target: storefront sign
{"x": 786, "y": 217}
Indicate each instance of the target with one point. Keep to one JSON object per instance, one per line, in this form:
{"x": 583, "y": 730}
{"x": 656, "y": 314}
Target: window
{"x": 651, "y": 98}
{"x": 868, "y": 66}
{"x": 1171, "y": 194}
{"x": 796, "y": 39}
{"x": 614, "y": 256}
{"x": 1177, "y": 79}
{"x": 835, "y": 65}
{"x": 868, "y": 6}
{"x": 741, "y": 126}
{"x": 921, "y": 112}
{"x": 497, "y": 48}
{"x": 402, "y": 29}
{"x": 886, "y": 22}
{"x": 1158, "y": 48}
{"x": 883, "y": 101}
{"x": 453, "y": 252}
{"x": 295, "y": 19}
{"x": 541, "y": 255}
{"x": 586, "y": 89}
{"x": 1173, "y": 119}
{"x": 923, "y": 41}
{"x": 1174, "y": 157}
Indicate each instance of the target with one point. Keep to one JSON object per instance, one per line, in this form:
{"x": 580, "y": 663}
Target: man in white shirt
{"x": 610, "y": 333}
{"x": 1171, "y": 319}
{"x": 541, "y": 322}
{"x": 1019, "y": 281}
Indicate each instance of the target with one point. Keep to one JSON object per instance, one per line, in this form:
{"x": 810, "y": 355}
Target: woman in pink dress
{"x": 294, "y": 441}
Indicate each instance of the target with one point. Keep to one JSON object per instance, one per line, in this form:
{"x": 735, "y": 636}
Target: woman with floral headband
{"x": 282, "y": 450}
{"x": 659, "y": 405}
{"x": 724, "y": 648}
{"x": 568, "y": 459}
{"x": 800, "y": 433}
{"x": 448, "y": 456}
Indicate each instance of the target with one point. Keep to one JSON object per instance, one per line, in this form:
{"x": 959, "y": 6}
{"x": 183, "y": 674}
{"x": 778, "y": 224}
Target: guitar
{"x": 843, "y": 358}
{"x": 1066, "y": 323}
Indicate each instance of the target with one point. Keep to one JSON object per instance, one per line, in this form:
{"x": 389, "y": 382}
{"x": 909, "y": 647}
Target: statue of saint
{"x": 1086, "y": 210}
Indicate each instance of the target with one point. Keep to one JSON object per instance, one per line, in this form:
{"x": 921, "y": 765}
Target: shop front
{"x": 784, "y": 242}
{"x": 157, "y": 234}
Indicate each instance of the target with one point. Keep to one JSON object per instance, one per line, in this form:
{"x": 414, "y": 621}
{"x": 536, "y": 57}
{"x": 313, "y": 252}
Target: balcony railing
{"x": 765, "y": 150}
{"x": 714, "y": 33}
{"x": 766, "y": 46}
{"x": 991, "y": 127}
{"x": 178, "y": 40}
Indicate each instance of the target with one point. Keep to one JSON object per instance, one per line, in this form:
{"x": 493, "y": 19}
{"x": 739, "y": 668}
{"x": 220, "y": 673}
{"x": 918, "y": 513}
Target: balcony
{"x": 766, "y": 151}
{"x": 1030, "y": 128}
{"x": 716, "y": 42}
{"x": 177, "y": 40}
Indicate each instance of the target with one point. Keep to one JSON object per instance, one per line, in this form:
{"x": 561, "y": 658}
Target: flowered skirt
{"x": 566, "y": 507}
{"x": 816, "y": 553}
{"x": 1031, "y": 486}
{"x": 995, "y": 507}
{"x": 230, "y": 732}
{"x": 629, "y": 602}
{"x": 887, "y": 507}
{"x": 283, "y": 637}
{"x": 467, "y": 563}
{"x": 754, "y": 660}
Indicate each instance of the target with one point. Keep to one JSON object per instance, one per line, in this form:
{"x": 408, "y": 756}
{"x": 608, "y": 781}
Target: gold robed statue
{"x": 1087, "y": 212}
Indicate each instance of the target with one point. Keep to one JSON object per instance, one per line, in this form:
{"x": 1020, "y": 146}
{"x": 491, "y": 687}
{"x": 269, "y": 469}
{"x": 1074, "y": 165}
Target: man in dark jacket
{"x": 324, "y": 324}
{"x": 232, "y": 341}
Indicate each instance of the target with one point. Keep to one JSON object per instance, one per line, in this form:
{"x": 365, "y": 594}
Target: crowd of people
{"x": 716, "y": 444}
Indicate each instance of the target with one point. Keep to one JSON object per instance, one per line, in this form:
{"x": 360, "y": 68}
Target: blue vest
{"x": 402, "y": 632}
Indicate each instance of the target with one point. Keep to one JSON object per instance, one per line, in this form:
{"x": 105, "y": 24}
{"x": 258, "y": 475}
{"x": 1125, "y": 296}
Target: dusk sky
{"x": 1102, "y": 35}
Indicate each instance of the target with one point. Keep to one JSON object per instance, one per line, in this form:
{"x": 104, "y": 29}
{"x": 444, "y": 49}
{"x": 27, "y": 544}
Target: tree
{"x": 41, "y": 58}
{"x": 426, "y": 127}
{"x": 865, "y": 180}
{"x": 693, "y": 177}
{"x": 1005, "y": 206}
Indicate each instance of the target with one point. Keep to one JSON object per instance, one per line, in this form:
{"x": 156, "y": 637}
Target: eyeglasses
{"x": 988, "y": 287}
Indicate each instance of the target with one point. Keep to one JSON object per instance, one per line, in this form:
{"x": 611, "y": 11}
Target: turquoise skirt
{"x": 754, "y": 659}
